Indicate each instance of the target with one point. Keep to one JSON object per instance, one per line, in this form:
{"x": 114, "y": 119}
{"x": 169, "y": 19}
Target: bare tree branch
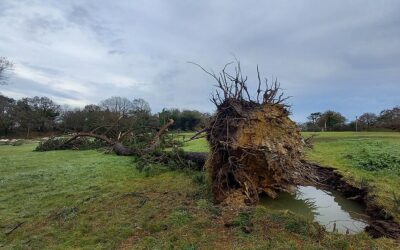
{"x": 234, "y": 86}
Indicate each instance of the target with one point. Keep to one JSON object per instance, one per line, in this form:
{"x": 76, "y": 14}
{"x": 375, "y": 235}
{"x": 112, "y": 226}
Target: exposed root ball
{"x": 255, "y": 147}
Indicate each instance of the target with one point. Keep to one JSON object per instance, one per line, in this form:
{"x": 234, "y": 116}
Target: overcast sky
{"x": 340, "y": 55}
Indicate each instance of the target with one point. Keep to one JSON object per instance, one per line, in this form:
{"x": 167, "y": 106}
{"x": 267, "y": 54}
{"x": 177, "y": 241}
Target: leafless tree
{"x": 140, "y": 105}
{"x": 5, "y": 67}
{"x": 117, "y": 104}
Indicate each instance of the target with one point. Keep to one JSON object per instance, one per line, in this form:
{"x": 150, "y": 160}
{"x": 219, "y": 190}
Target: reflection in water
{"x": 325, "y": 207}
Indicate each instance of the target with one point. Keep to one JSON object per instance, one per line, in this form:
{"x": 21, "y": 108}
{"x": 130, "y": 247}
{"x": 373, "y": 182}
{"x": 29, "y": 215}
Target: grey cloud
{"x": 43, "y": 69}
{"x": 28, "y": 88}
{"x": 339, "y": 55}
{"x": 114, "y": 51}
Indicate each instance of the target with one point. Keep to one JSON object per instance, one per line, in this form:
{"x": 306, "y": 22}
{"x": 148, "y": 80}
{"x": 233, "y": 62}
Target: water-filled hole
{"x": 328, "y": 208}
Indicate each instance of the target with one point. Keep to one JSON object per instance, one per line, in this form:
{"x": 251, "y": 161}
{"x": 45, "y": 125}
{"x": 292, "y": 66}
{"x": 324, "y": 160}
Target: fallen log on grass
{"x": 114, "y": 140}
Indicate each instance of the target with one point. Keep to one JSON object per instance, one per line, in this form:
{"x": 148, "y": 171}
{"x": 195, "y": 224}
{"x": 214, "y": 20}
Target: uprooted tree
{"x": 255, "y": 146}
{"x": 123, "y": 139}
{"x": 131, "y": 136}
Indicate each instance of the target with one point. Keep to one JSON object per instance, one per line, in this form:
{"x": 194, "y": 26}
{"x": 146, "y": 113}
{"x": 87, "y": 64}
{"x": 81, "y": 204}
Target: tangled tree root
{"x": 255, "y": 147}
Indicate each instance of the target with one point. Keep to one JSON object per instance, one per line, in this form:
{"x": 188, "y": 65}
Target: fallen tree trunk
{"x": 89, "y": 134}
{"x": 117, "y": 146}
{"x": 197, "y": 157}
{"x": 146, "y": 154}
{"x": 120, "y": 149}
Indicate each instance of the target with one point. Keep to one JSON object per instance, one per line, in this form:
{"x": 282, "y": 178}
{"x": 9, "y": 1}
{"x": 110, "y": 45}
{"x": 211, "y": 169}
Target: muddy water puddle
{"x": 328, "y": 208}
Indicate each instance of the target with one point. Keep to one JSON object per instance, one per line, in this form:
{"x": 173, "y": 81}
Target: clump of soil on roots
{"x": 255, "y": 148}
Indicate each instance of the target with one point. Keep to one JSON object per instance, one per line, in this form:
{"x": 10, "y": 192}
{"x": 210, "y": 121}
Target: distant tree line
{"x": 388, "y": 119}
{"x": 32, "y": 115}
{"x": 186, "y": 120}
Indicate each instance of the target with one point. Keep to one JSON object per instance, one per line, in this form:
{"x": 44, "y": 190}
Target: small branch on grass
{"x": 197, "y": 135}
{"x": 309, "y": 141}
{"x": 15, "y": 227}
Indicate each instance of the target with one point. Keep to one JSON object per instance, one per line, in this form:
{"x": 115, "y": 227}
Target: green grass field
{"x": 91, "y": 200}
